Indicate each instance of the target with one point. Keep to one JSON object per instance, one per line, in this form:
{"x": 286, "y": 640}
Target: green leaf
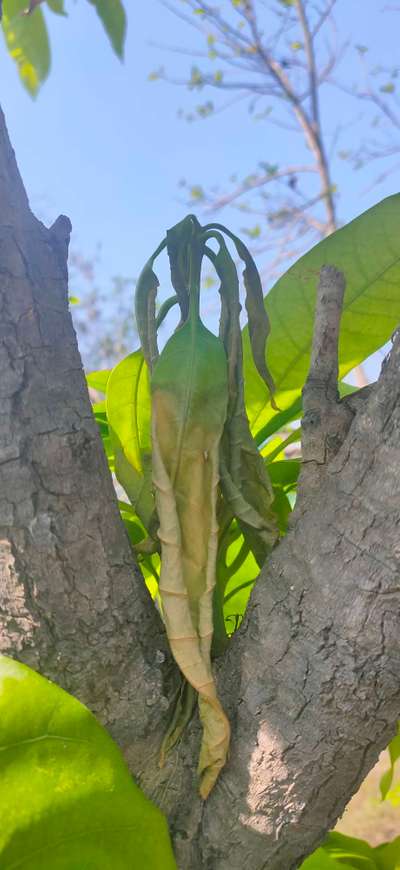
{"x": 388, "y": 88}
{"x": 320, "y": 860}
{"x": 129, "y": 420}
{"x": 271, "y": 454}
{"x": 350, "y": 851}
{"x": 388, "y": 855}
{"x": 98, "y": 380}
{"x": 27, "y": 43}
{"x": 341, "y": 851}
{"x": 284, "y": 473}
{"x": 367, "y": 250}
{"x": 113, "y": 18}
{"x": 394, "y": 754}
{"x": 237, "y": 571}
{"x": 282, "y": 509}
{"x": 66, "y": 796}
{"x": 279, "y": 421}
{"x": 57, "y": 6}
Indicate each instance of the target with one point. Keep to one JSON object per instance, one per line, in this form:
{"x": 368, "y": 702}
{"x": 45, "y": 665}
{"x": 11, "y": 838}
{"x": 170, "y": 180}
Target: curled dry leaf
{"x": 191, "y": 375}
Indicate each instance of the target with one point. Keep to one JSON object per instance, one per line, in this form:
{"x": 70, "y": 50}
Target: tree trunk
{"x": 312, "y": 680}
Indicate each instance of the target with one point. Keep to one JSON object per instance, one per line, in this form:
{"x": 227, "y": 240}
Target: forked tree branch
{"x": 311, "y": 681}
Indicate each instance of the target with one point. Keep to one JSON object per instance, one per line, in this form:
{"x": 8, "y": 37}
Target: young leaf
{"x": 66, "y": 796}
{"x": 394, "y": 754}
{"x": 113, "y": 18}
{"x": 185, "y": 475}
{"x": 320, "y": 860}
{"x": 367, "y": 251}
{"x": 98, "y": 380}
{"x": 57, "y": 6}
{"x": 129, "y": 421}
{"x": 27, "y": 42}
{"x": 388, "y": 855}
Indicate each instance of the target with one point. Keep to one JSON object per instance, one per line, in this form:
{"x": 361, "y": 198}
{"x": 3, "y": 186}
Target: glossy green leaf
{"x": 394, "y": 754}
{"x": 279, "y": 420}
{"x": 240, "y": 571}
{"x": 388, "y": 855}
{"x": 27, "y": 43}
{"x": 284, "y": 473}
{"x": 98, "y": 380}
{"x": 340, "y": 851}
{"x": 367, "y": 250}
{"x": 350, "y": 851}
{"x": 66, "y": 796}
{"x": 320, "y": 860}
{"x": 113, "y": 18}
{"x": 129, "y": 420}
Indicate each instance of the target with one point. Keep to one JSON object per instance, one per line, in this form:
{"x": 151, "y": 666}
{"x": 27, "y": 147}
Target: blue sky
{"x": 104, "y": 145}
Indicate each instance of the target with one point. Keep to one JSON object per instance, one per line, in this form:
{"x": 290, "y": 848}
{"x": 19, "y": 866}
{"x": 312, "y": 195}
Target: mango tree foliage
{"x": 66, "y": 796}
{"x": 27, "y": 39}
{"x": 340, "y": 851}
{"x": 366, "y": 250}
{"x": 371, "y": 297}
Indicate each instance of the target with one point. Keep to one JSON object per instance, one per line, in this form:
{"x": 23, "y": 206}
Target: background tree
{"x": 281, "y": 58}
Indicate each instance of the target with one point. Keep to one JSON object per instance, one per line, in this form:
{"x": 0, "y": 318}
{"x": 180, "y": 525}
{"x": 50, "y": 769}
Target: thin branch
{"x": 261, "y": 182}
{"x": 322, "y": 420}
{"x": 309, "y": 49}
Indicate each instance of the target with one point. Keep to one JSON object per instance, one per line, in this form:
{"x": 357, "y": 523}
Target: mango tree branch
{"x": 312, "y": 681}
{"x": 72, "y": 603}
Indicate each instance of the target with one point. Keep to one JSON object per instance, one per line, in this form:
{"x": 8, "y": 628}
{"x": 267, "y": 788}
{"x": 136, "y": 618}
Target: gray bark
{"x": 312, "y": 680}
{"x": 72, "y": 604}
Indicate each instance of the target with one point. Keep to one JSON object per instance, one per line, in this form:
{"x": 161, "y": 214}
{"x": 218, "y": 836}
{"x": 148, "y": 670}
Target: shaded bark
{"x": 312, "y": 680}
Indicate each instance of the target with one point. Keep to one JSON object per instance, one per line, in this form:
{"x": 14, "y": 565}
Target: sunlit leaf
{"x": 129, "y": 420}
{"x": 394, "y": 754}
{"x": 98, "y": 380}
{"x": 27, "y": 43}
{"x": 66, "y": 796}
{"x": 367, "y": 250}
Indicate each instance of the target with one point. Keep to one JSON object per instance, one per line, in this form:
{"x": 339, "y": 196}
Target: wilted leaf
{"x": 185, "y": 475}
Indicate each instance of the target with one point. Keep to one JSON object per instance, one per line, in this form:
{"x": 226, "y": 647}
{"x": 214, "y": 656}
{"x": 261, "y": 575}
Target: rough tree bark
{"x": 312, "y": 680}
